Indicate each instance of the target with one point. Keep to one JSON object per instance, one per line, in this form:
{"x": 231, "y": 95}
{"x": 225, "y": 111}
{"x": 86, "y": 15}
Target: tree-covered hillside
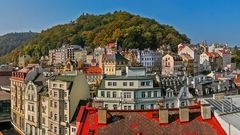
{"x": 11, "y": 41}
{"x": 131, "y": 31}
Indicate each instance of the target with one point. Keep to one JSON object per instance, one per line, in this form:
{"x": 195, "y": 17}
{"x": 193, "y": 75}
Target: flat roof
{"x": 228, "y": 115}
{"x": 4, "y": 95}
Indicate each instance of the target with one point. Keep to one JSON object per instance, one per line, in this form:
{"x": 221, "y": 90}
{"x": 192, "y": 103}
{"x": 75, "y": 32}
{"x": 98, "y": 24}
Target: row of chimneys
{"x": 164, "y": 115}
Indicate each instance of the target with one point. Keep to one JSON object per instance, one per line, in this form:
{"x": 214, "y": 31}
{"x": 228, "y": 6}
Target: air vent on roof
{"x": 155, "y": 115}
{"x": 91, "y": 132}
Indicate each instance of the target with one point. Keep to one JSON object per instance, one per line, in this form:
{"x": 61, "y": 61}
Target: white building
{"x": 135, "y": 90}
{"x": 172, "y": 64}
{"x": 149, "y": 58}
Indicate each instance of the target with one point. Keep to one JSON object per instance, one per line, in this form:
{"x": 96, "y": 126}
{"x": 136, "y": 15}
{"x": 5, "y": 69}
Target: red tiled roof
{"x": 237, "y": 81}
{"x": 111, "y": 45}
{"x": 181, "y": 47}
{"x": 141, "y": 121}
{"x": 92, "y": 70}
{"x": 211, "y": 54}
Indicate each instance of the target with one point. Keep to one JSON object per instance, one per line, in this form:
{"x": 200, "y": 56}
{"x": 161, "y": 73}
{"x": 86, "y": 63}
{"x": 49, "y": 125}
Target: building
{"x": 210, "y": 61}
{"x": 113, "y": 62}
{"x": 192, "y": 120}
{"x": 227, "y": 112}
{"x": 18, "y": 87}
{"x": 5, "y": 106}
{"x": 135, "y": 90}
{"x": 60, "y": 55}
{"x": 94, "y": 76}
{"x": 34, "y": 106}
{"x": 23, "y": 60}
{"x": 65, "y": 94}
{"x": 149, "y": 58}
{"x": 226, "y": 58}
{"x": 172, "y": 64}
{"x": 193, "y": 52}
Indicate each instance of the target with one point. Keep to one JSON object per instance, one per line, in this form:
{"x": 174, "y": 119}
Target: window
{"x": 43, "y": 120}
{"x": 148, "y": 83}
{"x": 51, "y": 103}
{"x": 61, "y": 85}
{"x": 149, "y": 94}
{"x": 129, "y": 107}
{"x": 106, "y": 106}
{"x": 172, "y": 105}
{"x": 114, "y": 83}
{"x": 28, "y": 107}
{"x": 142, "y": 83}
{"x": 108, "y": 94}
{"x": 124, "y": 83}
{"x": 142, "y": 107}
{"x": 55, "y": 129}
{"x": 55, "y": 104}
{"x": 73, "y": 130}
{"x": 131, "y": 83}
{"x": 114, "y": 107}
{"x": 102, "y": 94}
{"x": 32, "y": 108}
{"x": 125, "y": 107}
{"x": 33, "y": 118}
{"x": 127, "y": 94}
{"x": 65, "y": 117}
{"x": 55, "y": 116}
{"x": 54, "y": 85}
{"x": 65, "y": 94}
{"x": 152, "y": 106}
{"x": 43, "y": 131}
{"x": 155, "y": 94}
{"x": 114, "y": 94}
{"x": 167, "y": 106}
{"x": 109, "y": 83}
{"x": 143, "y": 94}
{"x": 55, "y": 94}
{"x": 65, "y": 105}
{"x": 182, "y": 104}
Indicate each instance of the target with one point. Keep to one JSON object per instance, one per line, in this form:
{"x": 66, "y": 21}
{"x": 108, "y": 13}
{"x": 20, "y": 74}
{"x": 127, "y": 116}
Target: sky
{"x": 201, "y": 20}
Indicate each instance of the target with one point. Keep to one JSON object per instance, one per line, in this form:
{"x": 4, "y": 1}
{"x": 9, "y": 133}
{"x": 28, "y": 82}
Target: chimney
{"x": 206, "y": 111}
{"x": 163, "y": 116}
{"x": 184, "y": 114}
{"x": 98, "y": 104}
{"x": 218, "y": 96}
{"x": 102, "y": 116}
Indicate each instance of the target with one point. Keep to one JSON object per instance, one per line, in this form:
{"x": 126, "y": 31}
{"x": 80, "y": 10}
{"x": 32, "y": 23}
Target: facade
{"x": 210, "y": 61}
{"x": 149, "y": 58}
{"x": 172, "y": 64}
{"x": 114, "y": 62}
{"x": 94, "y": 76}
{"x": 65, "y": 94}
{"x": 18, "y": 87}
{"x": 226, "y": 58}
{"x": 60, "y": 55}
{"x": 23, "y": 60}
{"x": 135, "y": 90}
{"x": 5, "y": 106}
{"x": 194, "y": 53}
